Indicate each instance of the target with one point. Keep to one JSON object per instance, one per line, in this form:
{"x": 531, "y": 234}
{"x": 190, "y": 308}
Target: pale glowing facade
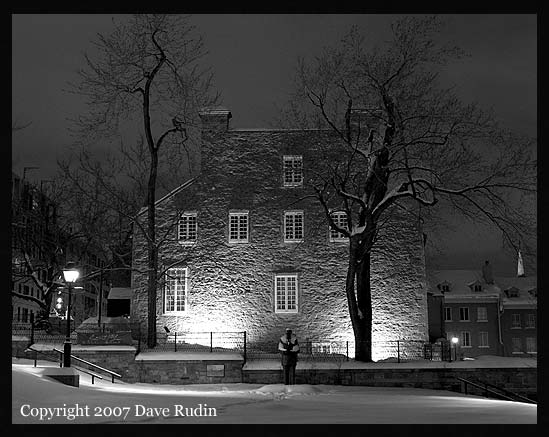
{"x": 251, "y": 249}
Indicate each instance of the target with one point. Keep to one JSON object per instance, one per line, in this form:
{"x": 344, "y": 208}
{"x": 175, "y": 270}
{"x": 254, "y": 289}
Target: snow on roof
{"x": 461, "y": 282}
{"x": 171, "y": 193}
{"x": 120, "y": 293}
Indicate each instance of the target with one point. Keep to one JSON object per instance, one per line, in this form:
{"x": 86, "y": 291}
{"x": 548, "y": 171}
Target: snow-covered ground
{"x": 34, "y": 395}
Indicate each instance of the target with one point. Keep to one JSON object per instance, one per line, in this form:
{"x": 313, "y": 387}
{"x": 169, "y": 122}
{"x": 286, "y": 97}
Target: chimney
{"x": 215, "y": 119}
{"x": 520, "y": 266}
{"x": 487, "y": 273}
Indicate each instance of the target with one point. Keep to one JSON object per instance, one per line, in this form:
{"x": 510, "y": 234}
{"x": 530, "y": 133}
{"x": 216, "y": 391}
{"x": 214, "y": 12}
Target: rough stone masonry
{"x": 231, "y": 286}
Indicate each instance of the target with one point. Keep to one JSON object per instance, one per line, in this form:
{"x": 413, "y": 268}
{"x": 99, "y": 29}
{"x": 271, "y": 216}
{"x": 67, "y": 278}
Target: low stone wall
{"x": 18, "y": 346}
{"x": 522, "y": 381}
{"x": 186, "y": 372}
{"x": 119, "y": 359}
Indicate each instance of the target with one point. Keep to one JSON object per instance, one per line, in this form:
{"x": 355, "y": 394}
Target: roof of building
{"x": 120, "y": 293}
{"x": 461, "y": 282}
{"x": 170, "y": 194}
{"x": 461, "y": 286}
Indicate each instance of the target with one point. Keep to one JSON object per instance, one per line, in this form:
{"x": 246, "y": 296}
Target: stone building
{"x": 246, "y": 247}
{"x": 490, "y": 315}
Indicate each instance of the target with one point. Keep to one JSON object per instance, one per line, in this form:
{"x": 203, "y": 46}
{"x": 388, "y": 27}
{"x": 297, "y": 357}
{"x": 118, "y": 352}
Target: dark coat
{"x": 288, "y": 350}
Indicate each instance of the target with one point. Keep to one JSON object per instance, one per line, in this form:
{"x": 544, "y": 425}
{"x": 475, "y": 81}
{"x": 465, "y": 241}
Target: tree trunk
{"x": 360, "y": 304}
{"x": 363, "y": 332}
{"x": 152, "y": 253}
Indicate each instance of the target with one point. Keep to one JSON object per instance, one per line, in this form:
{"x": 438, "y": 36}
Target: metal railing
{"x": 202, "y": 342}
{"x": 95, "y": 366}
{"x": 487, "y": 388}
{"x": 80, "y": 369}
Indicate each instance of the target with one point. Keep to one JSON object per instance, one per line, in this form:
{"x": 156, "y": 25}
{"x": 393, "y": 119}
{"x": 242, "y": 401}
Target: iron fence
{"x": 321, "y": 350}
{"x": 201, "y": 342}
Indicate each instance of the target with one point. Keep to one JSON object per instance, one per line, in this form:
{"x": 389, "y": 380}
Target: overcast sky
{"x": 253, "y": 58}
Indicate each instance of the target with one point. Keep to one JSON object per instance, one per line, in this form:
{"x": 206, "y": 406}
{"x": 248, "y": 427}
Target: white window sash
{"x": 286, "y": 293}
{"x": 292, "y": 170}
{"x": 294, "y": 226}
{"x": 175, "y": 290}
{"x": 238, "y": 227}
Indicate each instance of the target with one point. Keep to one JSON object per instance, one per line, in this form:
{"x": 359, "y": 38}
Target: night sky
{"x": 253, "y": 58}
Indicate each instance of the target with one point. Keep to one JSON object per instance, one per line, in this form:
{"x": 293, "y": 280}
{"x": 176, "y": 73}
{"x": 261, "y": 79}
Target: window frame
{"x": 481, "y": 336}
{"x": 292, "y": 159}
{"x": 185, "y": 293}
{"x": 338, "y": 217}
{"x": 485, "y": 310}
{"x": 239, "y": 214}
{"x": 448, "y": 311}
{"x": 534, "y": 341}
{"x": 461, "y": 319}
{"x": 513, "y": 344}
{"x": 530, "y": 317}
{"x": 187, "y": 215}
{"x": 465, "y": 335}
{"x": 284, "y": 226}
{"x": 515, "y": 317}
{"x": 286, "y": 276}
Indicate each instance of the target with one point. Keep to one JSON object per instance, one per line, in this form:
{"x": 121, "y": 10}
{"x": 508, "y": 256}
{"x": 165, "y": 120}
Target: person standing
{"x": 289, "y": 348}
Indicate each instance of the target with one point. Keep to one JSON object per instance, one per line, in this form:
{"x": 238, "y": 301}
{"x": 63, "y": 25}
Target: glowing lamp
{"x": 70, "y": 273}
{"x": 455, "y": 340}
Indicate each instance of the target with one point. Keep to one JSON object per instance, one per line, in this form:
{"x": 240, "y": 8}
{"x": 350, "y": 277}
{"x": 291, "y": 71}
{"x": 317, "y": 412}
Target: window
{"x": 286, "y": 293}
{"x": 464, "y": 314}
{"x": 531, "y": 321}
{"x": 465, "y": 339}
{"x": 531, "y": 346}
{"x": 175, "y": 290}
{"x": 238, "y": 227}
{"x": 447, "y": 314}
{"x": 25, "y": 314}
{"x": 515, "y": 321}
{"x": 483, "y": 339}
{"x": 517, "y": 345}
{"x": 340, "y": 219}
{"x": 26, "y": 290}
{"x": 513, "y": 292}
{"x": 482, "y": 314}
{"x": 477, "y": 287}
{"x": 445, "y": 288}
{"x": 187, "y": 228}
{"x": 18, "y": 314}
{"x": 293, "y": 226}
{"x": 293, "y": 170}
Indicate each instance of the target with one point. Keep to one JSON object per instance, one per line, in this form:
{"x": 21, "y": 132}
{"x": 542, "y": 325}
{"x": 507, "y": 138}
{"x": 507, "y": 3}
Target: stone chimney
{"x": 487, "y": 273}
{"x": 215, "y": 119}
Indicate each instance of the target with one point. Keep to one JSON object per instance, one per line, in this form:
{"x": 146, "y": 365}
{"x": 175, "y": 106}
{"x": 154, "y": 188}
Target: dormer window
{"x": 476, "y": 286}
{"x": 513, "y": 292}
{"x": 444, "y": 287}
{"x": 293, "y": 170}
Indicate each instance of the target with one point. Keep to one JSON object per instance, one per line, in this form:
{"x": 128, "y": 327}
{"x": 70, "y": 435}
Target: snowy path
{"x": 248, "y": 403}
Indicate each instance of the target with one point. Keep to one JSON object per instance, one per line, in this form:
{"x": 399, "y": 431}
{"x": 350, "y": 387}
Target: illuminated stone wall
{"x": 231, "y": 286}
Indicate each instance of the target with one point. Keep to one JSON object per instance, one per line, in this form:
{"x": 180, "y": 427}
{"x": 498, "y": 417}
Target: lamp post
{"x": 71, "y": 275}
{"x": 454, "y": 342}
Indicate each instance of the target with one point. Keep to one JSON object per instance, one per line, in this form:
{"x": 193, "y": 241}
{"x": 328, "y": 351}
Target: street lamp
{"x": 71, "y": 275}
{"x": 454, "y": 342}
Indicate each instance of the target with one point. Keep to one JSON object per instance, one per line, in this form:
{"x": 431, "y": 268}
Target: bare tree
{"x": 409, "y": 144}
{"x": 147, "y": 69}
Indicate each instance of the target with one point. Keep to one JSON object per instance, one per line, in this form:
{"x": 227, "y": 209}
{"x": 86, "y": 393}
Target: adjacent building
{"x": 37, "y": 234}
{"x": 489, "y": 315}
{"x": 247, "y": 247}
